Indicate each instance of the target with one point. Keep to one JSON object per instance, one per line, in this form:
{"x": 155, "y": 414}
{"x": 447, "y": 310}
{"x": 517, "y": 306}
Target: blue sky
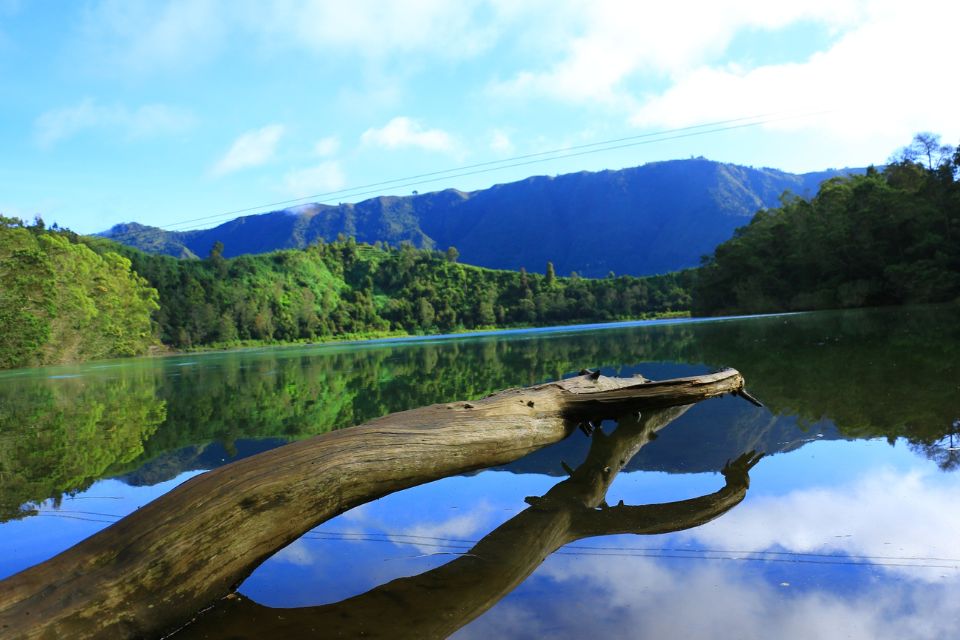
{"x": 165, "y": 112}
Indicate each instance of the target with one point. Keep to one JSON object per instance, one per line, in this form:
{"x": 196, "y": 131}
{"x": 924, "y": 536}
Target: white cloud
{"x": 606, "y": 42}
{"x": 655, "y": 64}
{"x": 146, "y": 121}
{"x": 883, "y": 80}
{"x": 252, "y": 149}
{"x": 327, "y": 146}
{"x": 326, "y": 176}
{"x": 298, "y": 553}
{"x": 406, "y": 132}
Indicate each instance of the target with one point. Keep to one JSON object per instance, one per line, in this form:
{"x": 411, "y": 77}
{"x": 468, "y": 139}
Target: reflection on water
{"x": 438, "y": 602}
{"x": 830, "y": 559}
{"x": 889, "y": 372}
{"x": 839, "y": 536}
{"x": 59, "y": 437}
{"x": 651, "y": 599}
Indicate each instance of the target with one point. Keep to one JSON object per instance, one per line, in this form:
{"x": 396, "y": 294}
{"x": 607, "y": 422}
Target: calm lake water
{"x": 849, "y": 528}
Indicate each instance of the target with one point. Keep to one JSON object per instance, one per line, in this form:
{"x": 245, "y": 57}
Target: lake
{"x": 848, "y": 528}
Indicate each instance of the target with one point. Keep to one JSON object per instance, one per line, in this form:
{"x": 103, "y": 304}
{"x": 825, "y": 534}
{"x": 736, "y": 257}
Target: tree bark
{"x": 153, "y": 570}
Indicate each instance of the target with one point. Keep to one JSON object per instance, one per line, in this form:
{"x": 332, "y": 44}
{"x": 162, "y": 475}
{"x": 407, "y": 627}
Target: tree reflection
{"x": 888, "y": 373}
{"x": 944, "y": 451}
{"x": 438, "y": 602}
{"x": 58, "y": 436}
{"x": 874, "y": 373}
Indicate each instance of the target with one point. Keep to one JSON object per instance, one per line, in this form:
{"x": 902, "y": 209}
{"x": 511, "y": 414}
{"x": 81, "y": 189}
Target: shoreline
{"x": 161, "y": 352}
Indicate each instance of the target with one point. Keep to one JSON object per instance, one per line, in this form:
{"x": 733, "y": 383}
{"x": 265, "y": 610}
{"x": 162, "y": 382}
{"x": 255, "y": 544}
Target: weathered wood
{"x": 436, "y": 603}
{"x": 152, "y": 570}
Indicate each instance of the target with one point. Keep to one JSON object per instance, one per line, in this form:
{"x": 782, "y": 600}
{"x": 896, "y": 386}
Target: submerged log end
{"x": 742, "y": 392}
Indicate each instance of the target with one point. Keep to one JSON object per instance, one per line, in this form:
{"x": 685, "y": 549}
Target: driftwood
{"x": 438, "y": 602}
{"x": 153, "y": 570}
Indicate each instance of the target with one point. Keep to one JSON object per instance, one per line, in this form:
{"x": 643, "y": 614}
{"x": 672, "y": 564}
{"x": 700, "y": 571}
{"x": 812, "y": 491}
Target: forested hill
{"x": 887, "y": 237}
{"x": 62, "y": 302}
{"x": 68, "y": 298}
{"x": 345, "y": 288}
{"x": 654, "y": 218}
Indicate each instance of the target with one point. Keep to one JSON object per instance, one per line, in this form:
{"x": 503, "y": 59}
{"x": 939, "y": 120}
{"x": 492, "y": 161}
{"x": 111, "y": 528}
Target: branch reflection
{"x": 436, "y": 603}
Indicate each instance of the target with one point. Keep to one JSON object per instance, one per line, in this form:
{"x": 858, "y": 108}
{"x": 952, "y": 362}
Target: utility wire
{"x": 517, "y": 161}
{"x": 327, "y": 194}
{"x": 460, "y": 545}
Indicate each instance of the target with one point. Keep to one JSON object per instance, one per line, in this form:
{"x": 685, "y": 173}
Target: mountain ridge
{"x": 649, "y": 219}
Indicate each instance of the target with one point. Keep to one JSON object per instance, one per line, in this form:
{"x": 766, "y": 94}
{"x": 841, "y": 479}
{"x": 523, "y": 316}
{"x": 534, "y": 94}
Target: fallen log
{"x": 153, "y": 570}
{"x": 437, "y": 603}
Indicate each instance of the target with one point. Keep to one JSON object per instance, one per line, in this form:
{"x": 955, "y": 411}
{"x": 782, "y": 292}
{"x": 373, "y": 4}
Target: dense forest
{"x": 62, "y": 302}
{"x": 67, "y": 298}
{"x": 886, "y": 237}
{"x": 344, "y": 288}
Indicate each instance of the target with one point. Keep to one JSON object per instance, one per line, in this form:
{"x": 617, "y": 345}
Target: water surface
{"x": 848, "y": 528}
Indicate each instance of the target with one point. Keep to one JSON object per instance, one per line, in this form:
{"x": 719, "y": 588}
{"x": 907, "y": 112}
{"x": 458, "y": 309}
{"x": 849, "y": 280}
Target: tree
{"x": 551, "y": 274}
{"x": 926, "y": 149}
{"x": 486, "y": 315}
{"x": 217, "y": 260}
{"x": 452, "y": 254}
{"x": 26, "y": 303}
{"x": 425, "y": 313}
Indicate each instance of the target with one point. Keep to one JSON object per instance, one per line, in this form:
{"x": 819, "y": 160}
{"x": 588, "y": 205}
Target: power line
{"x": 461, "y": 545}
{"x": 518, "y": 161}
{"x": 405, "y": 538}
{"x": 327, "y": 194}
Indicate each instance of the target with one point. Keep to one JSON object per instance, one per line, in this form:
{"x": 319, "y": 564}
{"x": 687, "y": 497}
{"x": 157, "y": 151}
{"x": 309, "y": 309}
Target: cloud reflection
{"x": 298, "y": 553}
{"x": 465, "y": 526}
{"x": 650, "y": 598}
{"x": 888, "y": 518}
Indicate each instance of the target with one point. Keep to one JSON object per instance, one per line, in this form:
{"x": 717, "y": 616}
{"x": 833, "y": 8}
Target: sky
{"x": 177, "y": 114}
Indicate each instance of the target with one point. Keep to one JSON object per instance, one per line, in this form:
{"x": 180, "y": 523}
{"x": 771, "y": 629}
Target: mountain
{"x": 649, "y": 219}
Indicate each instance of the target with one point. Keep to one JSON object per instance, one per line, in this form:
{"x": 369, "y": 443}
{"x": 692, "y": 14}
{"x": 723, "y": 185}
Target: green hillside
{"x": 69, "y": 298}
{"x": 886, "y": 237}
{"x": 61, "y": 302}
{"x": 345, "y": 288}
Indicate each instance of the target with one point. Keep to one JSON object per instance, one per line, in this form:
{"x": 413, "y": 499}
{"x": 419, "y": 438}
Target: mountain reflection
{"x": 437, "y": 603}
